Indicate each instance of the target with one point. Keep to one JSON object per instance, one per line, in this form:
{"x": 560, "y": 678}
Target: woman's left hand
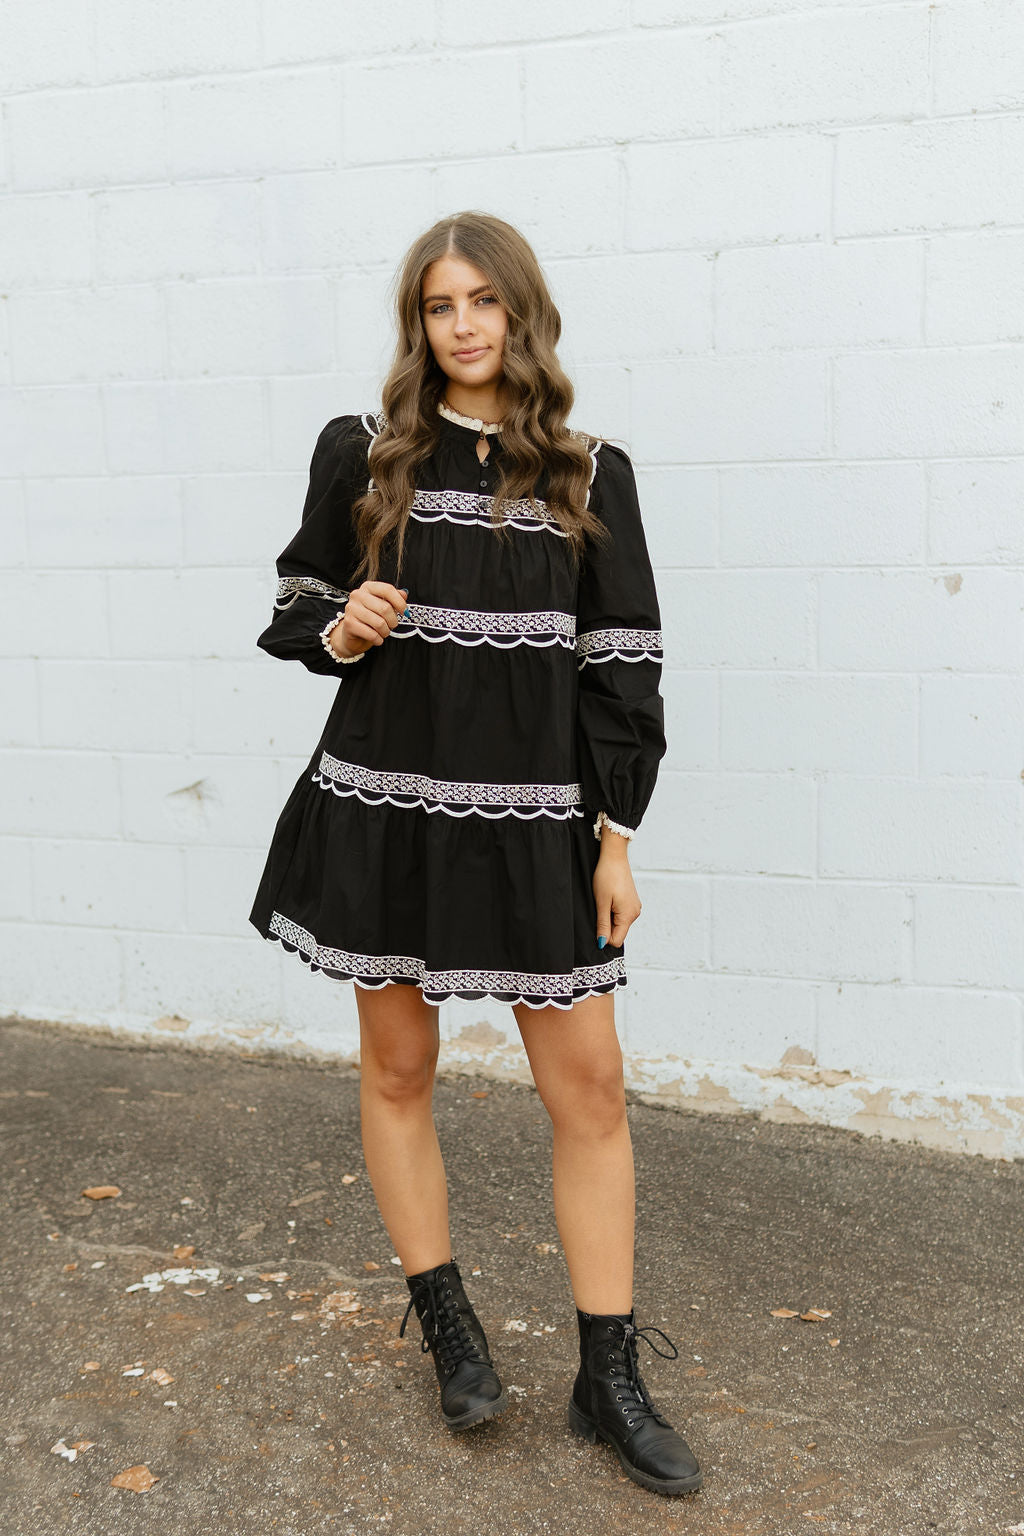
{"x": 618, "y": 905}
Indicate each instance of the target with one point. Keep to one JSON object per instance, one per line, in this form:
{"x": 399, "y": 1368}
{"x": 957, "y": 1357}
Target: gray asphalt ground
{"x": 290, "y": 1414}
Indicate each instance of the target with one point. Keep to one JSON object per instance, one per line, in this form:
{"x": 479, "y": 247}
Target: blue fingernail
{"x": 602, "y": 941}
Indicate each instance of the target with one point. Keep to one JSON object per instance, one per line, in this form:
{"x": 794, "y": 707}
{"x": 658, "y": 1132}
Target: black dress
{"x": 443, "y": 832}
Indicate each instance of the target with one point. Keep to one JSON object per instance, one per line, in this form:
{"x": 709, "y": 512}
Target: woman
{"x": 462, "y": 828}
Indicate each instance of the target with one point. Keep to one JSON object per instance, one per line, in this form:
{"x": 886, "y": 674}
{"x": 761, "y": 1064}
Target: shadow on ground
{"x": 292, "y": 1405}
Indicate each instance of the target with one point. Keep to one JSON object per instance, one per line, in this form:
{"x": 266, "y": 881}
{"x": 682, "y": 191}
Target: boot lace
{"x": 442, "y": 1321}
{"x": 623, "y": 1359}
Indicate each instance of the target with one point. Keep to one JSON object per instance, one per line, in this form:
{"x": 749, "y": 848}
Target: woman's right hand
{"x": 371, "y": 613}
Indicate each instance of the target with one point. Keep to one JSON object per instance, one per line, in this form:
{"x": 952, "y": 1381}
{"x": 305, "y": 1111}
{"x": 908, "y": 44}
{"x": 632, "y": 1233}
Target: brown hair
{"x": 534, "y": 435}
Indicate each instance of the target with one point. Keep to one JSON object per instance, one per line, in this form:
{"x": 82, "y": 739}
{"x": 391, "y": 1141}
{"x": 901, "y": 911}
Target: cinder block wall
{"x": 787, "y": 242}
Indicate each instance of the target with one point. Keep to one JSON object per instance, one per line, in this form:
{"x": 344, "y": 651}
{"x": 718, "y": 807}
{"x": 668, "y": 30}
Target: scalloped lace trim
{"x": 489, "y": 626}
{"x": 473, "y": 509}
{"x": 557, "y": 800}
{"x": 537, "y": 989}
{"x": 291, "y": 587}
{"x": 646, "y": 645}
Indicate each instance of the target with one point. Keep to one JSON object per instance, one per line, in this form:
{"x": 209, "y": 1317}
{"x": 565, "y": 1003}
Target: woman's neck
{"x": 484, "y": 404}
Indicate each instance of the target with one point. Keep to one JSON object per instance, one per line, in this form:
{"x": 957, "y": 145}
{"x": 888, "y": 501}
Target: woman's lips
{"x": 470, "y": 353}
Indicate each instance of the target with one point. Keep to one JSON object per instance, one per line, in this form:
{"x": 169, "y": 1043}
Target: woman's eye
{"x": 439, "y": 309}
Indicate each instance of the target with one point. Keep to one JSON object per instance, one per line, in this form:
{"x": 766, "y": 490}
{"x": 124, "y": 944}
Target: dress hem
{"x": 437, "y": 995}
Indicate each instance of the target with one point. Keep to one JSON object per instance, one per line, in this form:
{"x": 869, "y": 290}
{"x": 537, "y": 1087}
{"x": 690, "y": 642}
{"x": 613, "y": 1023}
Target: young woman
{"x": 462, "y": 828}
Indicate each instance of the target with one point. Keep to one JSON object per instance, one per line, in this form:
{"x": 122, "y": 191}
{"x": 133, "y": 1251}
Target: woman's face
{"x": 464, "y": 322}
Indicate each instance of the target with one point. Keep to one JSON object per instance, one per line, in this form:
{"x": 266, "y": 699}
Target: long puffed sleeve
{"x": 621, "y": 715}
{"x": 314, "y": 571}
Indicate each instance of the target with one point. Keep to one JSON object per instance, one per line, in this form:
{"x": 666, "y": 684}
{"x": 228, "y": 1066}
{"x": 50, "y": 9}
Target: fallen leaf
{"x": 101, "y": 1191}
{"x": 316, "y": 1194}
{"x": 784, "y": 1312}
{"x": 277, "y": 1275}
{"x": 192, "y": 1292}
{"x": 138, "y": 1479}
{"x": 349, "y": 1178}
{"x": 183, "y": 1251}
{"x": 91, "y": 1365}
{"x": 67, "y": 1451}
{"x": 134, "y": 1370}
{"x": 369, "y": 1264}
{"x": 815, "y": 1315}
{"x": 69, "y": 1267}
{"x": 485, "y": 1093}
{"x": 833, "y": 1342}
{"x": 161, "y": 1377}
{"x": 82, "y": 1445}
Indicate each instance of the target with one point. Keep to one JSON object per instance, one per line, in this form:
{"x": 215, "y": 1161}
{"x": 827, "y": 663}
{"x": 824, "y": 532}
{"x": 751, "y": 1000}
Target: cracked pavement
{"x": 285, "y": 1401}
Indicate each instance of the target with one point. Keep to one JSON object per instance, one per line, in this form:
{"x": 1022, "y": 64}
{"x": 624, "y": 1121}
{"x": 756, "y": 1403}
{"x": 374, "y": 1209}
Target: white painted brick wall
{"x": 786, "y": 239}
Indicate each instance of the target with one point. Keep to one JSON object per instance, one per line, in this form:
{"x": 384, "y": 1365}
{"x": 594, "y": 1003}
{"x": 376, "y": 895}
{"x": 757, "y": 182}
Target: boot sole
{"x": 588, "y": 1430}
{"x": 477, "y": 1415}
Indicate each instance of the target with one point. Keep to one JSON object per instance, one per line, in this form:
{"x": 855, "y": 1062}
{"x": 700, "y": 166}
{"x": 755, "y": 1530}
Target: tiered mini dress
{"x": 444, "y": 833}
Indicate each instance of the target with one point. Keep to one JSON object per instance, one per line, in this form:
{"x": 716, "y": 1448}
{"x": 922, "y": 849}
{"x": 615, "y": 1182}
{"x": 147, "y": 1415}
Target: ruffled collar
{"x": 488, "y": 428}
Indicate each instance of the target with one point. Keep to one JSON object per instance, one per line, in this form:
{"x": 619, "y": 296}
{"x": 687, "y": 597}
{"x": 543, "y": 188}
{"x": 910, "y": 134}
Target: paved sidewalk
{"x": 290, "y": 1413}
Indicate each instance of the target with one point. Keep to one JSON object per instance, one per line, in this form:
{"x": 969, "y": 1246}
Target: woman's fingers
{"x": 616, "y": 901}
{"x": 374, "y": 609}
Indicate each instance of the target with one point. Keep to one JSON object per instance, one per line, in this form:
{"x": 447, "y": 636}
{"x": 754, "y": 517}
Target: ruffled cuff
{"x": 604, "y": 820}
{"x": 341, "y": 660}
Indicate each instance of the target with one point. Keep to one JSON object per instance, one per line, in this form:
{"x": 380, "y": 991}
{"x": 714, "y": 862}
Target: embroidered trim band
{"x": 535, "y": 989}
{"x": 470, "y": 508}
{"x": 558, "y": 800}
{"x": 618, "y": 639}
{"x": 291, "y": 587}
{"x": 560, "y": 628}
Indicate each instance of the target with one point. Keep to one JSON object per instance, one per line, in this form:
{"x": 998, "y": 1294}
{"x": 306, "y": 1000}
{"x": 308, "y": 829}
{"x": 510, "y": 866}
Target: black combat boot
{"x": 610, "y": 1402}
{"x": 470, "y": 1388}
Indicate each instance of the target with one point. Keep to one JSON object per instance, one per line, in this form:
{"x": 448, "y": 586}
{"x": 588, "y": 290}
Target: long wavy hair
{"x": 534, "y": 436}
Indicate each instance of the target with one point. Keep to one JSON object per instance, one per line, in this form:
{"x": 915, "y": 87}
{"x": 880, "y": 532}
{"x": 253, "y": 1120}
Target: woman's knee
{"x": 591, "y": 1103}
{"x": 399, "y": 1046}
{"x": 400, "y": 1080}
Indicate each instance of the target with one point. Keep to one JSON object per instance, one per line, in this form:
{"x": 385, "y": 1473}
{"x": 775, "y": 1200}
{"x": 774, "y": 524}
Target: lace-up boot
{"x": 470, "y": 1388}
{"x": 610, "y": 1402}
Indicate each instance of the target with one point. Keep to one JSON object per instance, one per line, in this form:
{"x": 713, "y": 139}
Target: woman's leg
{"x": 399, "y": 1044}
{"x": 577, "y": 1065}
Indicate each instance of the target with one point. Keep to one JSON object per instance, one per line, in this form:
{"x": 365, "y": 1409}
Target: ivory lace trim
{"x": 646, "y": 644}
{"x": 291, "y": 587}
{"x": 453, "y": 797}
{"x": 552, "y": 626}
{"x": 604, "y": 820}
{"x": 342, "y": 661}
{"x": 537, "y": 989}
{"x": 489, "y": 428}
